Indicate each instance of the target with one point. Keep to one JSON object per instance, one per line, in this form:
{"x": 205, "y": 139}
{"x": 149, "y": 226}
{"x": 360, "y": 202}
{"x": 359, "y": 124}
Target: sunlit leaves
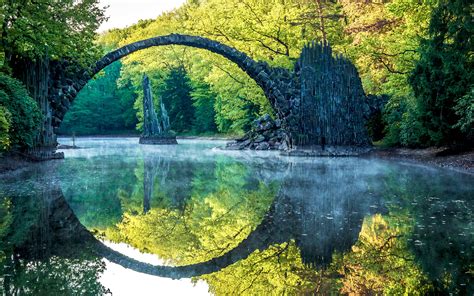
{"x": 380, "y": 262}
{"x": 55, "y": 29}
{"x": 208, "y": 226}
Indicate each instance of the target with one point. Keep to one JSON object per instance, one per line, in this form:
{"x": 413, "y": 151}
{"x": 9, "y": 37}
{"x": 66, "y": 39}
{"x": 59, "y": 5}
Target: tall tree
{"x": 203, "y": 102}
{"x": 52, "y": 28}
{"x": 176, "y": 96}
{"x": 443, "y": 79}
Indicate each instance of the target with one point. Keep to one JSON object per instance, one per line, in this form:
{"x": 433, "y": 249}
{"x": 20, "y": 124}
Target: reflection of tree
{"x": 43, "y": 253}
{"x": 197, "y": 204}
{"x": 303, "y": 235}
{"x": 95, "y": 197}
{"x": 439, "y": 210}
{"x": 311, "y": 221}
{"x": 209, "y": 226}
{"x": 56, "y": 276}
{"x": 316, "y": 217}
{"x": 225, "y": 220}
{"x": 380, "y": 262}
{"x": 160, "y": 182}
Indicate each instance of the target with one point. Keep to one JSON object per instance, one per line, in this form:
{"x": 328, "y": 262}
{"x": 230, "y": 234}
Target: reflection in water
{"x": 329, "y": 216}
{"x": 152, "y": 166}
{"x": 245, "y": 225}
{"x": 44, "y": 250}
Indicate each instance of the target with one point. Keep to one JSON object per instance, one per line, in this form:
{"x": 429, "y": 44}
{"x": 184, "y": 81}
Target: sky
{"x": 122, "y": 281}
{"x": 123, "y": 13}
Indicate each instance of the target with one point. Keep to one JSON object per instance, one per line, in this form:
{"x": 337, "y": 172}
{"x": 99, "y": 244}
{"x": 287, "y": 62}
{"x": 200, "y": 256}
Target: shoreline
{"x": 460, "y": 162}
{"x": 223, "y": 138}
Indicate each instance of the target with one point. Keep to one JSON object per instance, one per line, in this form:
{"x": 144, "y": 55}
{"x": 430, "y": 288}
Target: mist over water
{"x": 231, "y": 215}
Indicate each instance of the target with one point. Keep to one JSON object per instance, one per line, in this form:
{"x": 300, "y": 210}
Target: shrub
{"x": 5, "y": 120}
{"x": 25, "y": 115}
{"x": 403, "y": 124}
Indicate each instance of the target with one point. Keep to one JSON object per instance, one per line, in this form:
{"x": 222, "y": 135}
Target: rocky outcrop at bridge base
{"x": 266, "y": 134}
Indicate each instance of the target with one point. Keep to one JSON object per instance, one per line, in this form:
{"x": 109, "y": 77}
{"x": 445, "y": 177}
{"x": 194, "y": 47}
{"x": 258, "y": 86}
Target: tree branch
{"x": 228, "y": 73}
{"x": 389, "y": 69}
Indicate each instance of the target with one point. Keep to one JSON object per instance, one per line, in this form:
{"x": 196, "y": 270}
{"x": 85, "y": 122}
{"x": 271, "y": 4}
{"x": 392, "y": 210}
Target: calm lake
{"x": 120, "y": 218}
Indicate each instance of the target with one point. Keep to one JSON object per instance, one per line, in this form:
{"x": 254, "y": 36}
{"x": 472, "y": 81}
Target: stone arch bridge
{"x": 320, "y": 102}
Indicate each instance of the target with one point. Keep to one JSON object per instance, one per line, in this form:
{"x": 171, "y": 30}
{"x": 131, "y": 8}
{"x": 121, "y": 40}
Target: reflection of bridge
{"x": 320, "y": 224}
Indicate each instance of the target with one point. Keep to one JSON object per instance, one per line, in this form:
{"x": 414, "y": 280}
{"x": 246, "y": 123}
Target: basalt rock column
{"x": 155, "y": 131}
{"x": 327, "y": 112}
{"x": 36, "y": 77}
{"x": 333, "y": 104}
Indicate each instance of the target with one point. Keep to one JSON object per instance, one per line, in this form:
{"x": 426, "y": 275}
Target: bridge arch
{"x": 273, "y": 81}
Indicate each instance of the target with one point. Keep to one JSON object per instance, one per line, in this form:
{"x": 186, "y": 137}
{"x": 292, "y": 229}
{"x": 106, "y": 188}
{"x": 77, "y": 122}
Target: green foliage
{"x": 61, "y": 276}
{"x": 5, "y": 122}
{"x": 203, "y": 102}
{"x": 380, "y": 261}
{"x": 20, "y": 217}
{"x": 176, "y": 96}
{"x": 25, "y": 114}
{"x": 382, "y": 39}
{"x": 465, "y": 110}
{"x": 102, "y": 107}
{"x": 443, "y": 78}
{"x": 273, "y": 31}
{"x": 404, "y": 127}
{"x": 53, "y": 28}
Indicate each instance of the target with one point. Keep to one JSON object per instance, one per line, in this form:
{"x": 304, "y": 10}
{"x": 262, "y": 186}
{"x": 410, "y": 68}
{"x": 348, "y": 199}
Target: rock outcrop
{"x": 156, "y": 131}
{"x": 265, "y": 134}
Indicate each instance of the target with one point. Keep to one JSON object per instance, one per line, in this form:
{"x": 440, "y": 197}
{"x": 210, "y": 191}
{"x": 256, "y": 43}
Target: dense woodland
{"x": 418, "y": 53}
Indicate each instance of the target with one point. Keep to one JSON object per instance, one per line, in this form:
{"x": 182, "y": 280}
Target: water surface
{"x": 128, "y": 219}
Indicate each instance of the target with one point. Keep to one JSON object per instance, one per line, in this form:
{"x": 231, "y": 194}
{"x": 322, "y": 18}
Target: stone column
{"x": 155, "y": 131}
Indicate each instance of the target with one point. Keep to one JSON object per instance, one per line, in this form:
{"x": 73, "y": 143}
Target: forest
{"x": 368, "y": 104}
{"x": 417, "y": 54}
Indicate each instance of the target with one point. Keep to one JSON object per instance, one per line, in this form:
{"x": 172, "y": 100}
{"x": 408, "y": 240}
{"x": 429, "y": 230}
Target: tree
{"x": 102, "y": 107}
{"x": 203, "y": 102}
{"x": 176, "y": 96}
{"x": 443, "y": 78}
{"x": 5, "y": 122}
{"x": 273, "y": 31}
{"x": 24, "y": 111}
{"x": 50, "y": 28}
